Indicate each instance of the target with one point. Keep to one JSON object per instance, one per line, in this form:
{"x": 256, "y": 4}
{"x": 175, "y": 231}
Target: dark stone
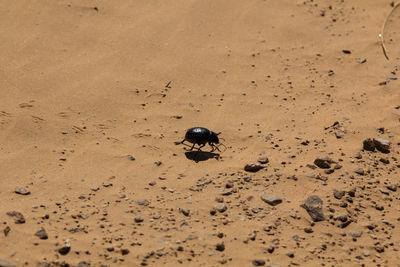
{"x": 6, "y": 230}
{"x": 143, "y": 202}
{"x": 384, "y": 191}
{"x": 229, "y": 185}
{"x": 22, "y": 191}
{"x": 359, "y": 171}
{"x": 372, "y": 226}
{"x": 65, "y": 249}
{"x": 221, "y": 207}
{"x": 263, "y": 160}
{"x": 42, "y": 234}
{"x": 384, "y": 160}
{"x": 124, "y": 251}
{"x": 18, "y": 217}
{"x": 352, "y": 192}
{"x": 313, "y": 206}
{"x": 253, "y": 167}
{"x": 290, "y": 254}
{"x": 392, "y": 187}
{"x": 369, "y": 145}
{"x": 345, "y": 224}
{"x": 337, "y": 166}
{"x": 139, "y": 219}
{"x": 329, "y": 171}
{"x": 382, "y": 145}
{"x": 130, "y": 157}
{"x": 356, "y": 233}
{"x": 324, "y": 162}
{"x": 185, "y": 211}
{"x": 308, "y": 230}
{"x": 271, "y": 199}
{"x": 220, "y": 246}
{"x": 313, "y": 167}
{"x": 342, "y": 218}
{"x": 258, "y": 262}
{"x": 338, "y": 194}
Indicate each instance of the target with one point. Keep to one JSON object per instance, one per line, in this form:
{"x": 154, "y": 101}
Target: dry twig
{"x": 383, "y": 29}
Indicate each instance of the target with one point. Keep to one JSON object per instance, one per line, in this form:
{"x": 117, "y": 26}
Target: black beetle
{"x": 201, "y": 136}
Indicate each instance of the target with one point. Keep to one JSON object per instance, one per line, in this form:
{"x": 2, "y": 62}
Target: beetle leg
{"x": 192, "y": 147}
{"x": 201, "y": 147}
{"x": 214, "y": 147}
{"x": 181, "y": 142}
{"x": 221, "y": 144}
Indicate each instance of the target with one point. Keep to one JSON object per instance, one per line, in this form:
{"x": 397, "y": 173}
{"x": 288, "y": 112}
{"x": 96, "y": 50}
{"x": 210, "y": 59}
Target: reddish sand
{"x": 85, "y": 84}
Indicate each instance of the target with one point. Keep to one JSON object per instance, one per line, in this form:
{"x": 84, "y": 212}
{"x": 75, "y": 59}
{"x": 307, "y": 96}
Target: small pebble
{"x": 22, "y": 191}
{"x": 338, "y": 194}
{"x": 221, "y": 207}
{"x": 368, "y": 144}
{"x": 258, "y": 262}
{"x": 356, "y": 233}
{"x": 42, "y": 234}
{"x": 143, "y": 202}
{"x": 185, "y": 211}
{"x": 263, "y": 160}
{"x": 313, "y": 205}
{"x": 125, "y": 251}
{"x": 220, "y": 246}
{"x": 139, "y": 219}
{"x": 323, "y": 162}
{"x": 66, "y": 248}
{"x": 271, "y": 199}
{"x": 253, "y": 167}
{"x": 382, "y": 145}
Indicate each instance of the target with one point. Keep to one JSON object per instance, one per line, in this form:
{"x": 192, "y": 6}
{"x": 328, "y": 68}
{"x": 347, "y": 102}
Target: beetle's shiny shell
{"x": 200, "y": 135}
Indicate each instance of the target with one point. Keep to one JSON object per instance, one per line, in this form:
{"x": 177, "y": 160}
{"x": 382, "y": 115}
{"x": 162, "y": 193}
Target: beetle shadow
{"x": 201, "y": 155}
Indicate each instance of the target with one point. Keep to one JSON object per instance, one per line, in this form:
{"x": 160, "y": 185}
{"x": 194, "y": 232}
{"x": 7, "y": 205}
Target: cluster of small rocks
{"x": 245, "y": 198}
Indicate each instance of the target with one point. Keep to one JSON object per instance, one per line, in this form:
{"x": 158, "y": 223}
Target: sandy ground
{"x": 95, "y": 93}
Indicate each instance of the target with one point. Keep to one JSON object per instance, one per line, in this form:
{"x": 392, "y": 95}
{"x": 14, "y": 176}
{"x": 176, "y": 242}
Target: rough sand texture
{"x": 95, "y": 93}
